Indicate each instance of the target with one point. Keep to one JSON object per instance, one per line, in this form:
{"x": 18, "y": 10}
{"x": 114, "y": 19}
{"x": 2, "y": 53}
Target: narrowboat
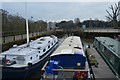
{"x": 109, "y": 49}
{"x": 23, "y": 60}
{"x": 68, "y": 61}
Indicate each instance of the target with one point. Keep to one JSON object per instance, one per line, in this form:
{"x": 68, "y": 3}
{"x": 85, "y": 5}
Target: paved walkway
{"x": 102, "y": 72}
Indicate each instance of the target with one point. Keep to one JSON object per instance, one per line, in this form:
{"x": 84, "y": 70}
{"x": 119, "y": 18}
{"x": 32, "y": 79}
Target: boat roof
{"x": 33, "y": 48}
{"x": 70, "y": 45}
{"x": 107, "y": 41}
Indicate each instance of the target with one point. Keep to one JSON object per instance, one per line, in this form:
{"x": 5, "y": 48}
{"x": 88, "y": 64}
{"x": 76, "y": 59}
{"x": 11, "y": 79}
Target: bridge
{"x": 102, "y": 30}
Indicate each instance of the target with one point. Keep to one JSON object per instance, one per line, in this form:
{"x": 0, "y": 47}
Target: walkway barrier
{"x": 19, "y": 37}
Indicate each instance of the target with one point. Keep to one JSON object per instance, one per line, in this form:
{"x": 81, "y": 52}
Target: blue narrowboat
{"x": 68, "y": 58}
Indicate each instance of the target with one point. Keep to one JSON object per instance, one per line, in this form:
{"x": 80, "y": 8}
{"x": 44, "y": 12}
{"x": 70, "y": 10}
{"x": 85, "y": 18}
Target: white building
{"x": 51, "y": 25}
{"x": 76, "y": 20}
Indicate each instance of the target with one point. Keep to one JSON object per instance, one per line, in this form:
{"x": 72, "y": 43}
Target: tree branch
{"x": 116, "y": 8}
{"x": 111, "y": 7}
{"x": 109, "y": 14}
{"x": 118, "y": 13}
{"x": 108, "y": 18}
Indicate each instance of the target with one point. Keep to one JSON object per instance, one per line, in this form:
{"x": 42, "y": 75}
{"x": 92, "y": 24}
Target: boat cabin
{"x": 23, "y": 55}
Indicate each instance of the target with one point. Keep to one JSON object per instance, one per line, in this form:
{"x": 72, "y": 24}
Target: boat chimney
{"x": 27, "y": 31}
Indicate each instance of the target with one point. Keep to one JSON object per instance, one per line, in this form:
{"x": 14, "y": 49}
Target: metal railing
{"x": 23, "y": 36}
{"x": 19, "y": 37}
{"x": 102, "y": 30}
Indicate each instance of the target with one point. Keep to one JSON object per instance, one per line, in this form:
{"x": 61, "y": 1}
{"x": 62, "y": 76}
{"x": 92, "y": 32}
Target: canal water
{"x": 87, "y": 41}
{"x": 37, "y": 75}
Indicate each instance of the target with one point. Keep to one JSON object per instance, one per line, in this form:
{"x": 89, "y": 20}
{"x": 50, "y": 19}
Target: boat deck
{"x": 61, "y": 75}
{"x": 66, "y": 73}
{"x": 67, "y": 69}
{"x": 102, "y": 72}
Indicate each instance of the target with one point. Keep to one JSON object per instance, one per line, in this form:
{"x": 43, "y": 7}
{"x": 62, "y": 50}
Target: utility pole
{"x": 27, "y": 30}
{"x": 90, "y": 23}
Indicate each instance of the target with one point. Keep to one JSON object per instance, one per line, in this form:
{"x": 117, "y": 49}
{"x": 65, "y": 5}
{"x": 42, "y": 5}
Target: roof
{"x": 24, "y": 50}
{"x": 112, "y": 44}
{"x": 69, "y": 46}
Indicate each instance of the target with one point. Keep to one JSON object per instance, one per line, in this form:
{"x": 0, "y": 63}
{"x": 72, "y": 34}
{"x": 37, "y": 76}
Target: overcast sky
{"x": 57, "y": 11}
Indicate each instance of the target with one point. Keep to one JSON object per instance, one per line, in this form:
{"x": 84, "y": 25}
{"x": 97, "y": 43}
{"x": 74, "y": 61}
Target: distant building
{"x": 76, "y": 20}
{"x": 51, "y": 26}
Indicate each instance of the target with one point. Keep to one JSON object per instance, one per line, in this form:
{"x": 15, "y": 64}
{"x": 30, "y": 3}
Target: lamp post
{"x": 90, "y": 25}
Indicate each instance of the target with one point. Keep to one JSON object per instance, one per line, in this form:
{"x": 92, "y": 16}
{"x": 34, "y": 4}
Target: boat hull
{"x": 23, "y": 72}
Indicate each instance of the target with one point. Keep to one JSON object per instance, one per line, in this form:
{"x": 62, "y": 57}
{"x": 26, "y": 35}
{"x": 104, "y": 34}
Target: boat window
{"x": 20, "y": 58}
{"x": 38, "y": 47}
{"x": 49, "y": 46}
{"x": 103, "y": 48}
{"x": 43, "y": 50}
{"x": 107, "y": 53}
{"x": 112, "y": 59}
{"x": 31, "y": 58}
{"x": 39, "y": 57}
{"x": 36, "y": 55}
{"x": 39, "y": 51}
{"x": 39, "y": 42}
{"x": 78, "y": 47}
{"x": 52, "y": 43}
{"x": 48, "y": 41}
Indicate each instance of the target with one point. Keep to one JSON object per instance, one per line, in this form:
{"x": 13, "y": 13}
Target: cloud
{"x": 60, "y": 0}
{"x": 57, "y": 11}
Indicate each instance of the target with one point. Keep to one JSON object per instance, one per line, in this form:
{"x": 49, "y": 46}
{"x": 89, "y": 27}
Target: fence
{"x": 23, "y": 36}
{"x": 19, "y": 37}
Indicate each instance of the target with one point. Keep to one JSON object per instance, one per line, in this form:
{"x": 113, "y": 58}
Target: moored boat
{"x": 67, "y": 62}
{"x": 20, "y": 61}
{"x": 110, "y": 51}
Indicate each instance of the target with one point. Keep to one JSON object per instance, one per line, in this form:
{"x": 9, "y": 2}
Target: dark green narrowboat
{"x": 109, "y": 49}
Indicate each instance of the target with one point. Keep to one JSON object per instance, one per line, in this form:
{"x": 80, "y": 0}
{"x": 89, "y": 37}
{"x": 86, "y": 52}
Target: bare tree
{"x": 113, "y": 16}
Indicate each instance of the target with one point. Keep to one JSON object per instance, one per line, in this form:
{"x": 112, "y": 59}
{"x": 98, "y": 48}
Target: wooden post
{"x": 14, "y": 38}
{"x": 3, "y": 39}
{"x": 21, "y": 36}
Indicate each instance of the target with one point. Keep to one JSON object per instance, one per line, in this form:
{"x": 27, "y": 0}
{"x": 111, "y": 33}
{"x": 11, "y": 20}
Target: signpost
{"x": 83, "y": 27}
